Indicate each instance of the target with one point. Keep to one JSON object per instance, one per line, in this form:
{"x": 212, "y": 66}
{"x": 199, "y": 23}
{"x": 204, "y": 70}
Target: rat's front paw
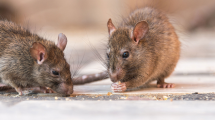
{"x": 46, "y": 90}
{"x": 118, "y": 87}
{"x": 40, "y": 90}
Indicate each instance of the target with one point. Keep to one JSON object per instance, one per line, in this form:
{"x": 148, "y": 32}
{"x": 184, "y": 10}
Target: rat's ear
{"x": 111, "y": 27}
{"x": 38, "y": 52}
{"x": 140, "y": 29}
{"x": 62, "y": 41}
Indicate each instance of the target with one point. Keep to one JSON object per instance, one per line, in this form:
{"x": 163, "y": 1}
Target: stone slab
{"x": 108, "y": 110}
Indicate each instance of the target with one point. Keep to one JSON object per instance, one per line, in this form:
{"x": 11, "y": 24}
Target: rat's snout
{"x": 70, "y": 90}
{"x": 65, "y": 89}
{"x": 116, "y": 75}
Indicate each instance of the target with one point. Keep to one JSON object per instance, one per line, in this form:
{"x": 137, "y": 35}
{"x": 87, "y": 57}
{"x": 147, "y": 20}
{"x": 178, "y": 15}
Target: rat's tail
{"x": 90, "y": 78}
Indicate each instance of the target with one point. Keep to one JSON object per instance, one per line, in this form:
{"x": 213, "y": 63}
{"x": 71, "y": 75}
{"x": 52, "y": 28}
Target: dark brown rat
{"x": 27, "y": 60}
{"x": 143, "y": 48}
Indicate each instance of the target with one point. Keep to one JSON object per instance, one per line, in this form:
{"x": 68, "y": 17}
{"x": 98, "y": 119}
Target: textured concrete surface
{"x": 190, "y": 75}
{"x": 106, "y": 110}
{"x": 184, "y": 84}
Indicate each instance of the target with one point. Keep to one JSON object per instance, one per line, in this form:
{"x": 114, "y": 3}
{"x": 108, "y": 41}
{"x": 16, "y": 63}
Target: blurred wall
{"x": 84, "y": 14}
{"x": 84, "y": 21}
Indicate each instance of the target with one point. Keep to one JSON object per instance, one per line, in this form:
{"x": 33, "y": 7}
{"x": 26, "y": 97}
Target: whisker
{"x": 97, "y": 54}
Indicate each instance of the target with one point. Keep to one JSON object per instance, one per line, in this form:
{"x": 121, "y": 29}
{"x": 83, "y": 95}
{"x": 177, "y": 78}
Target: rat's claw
{"x": 20, "y": 94}
{"x": 166, "y": 85}
{"x": 49, "y": 91}
{"x": 19, "y": 90}
{"x": 118, "y": 87}
{"x": 16, "y": 95}
{"x": 46, "y": 90}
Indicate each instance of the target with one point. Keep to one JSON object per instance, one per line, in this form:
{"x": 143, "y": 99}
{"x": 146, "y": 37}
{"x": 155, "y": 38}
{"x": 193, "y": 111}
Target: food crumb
{"x": 165, "y": 97}
{"x": 119, "y": 82}
{"x": 124, "y": 98}
{"x": 154, "y": 98}
{"x": 109, "y": 94}
{"x": 67, "y": 99}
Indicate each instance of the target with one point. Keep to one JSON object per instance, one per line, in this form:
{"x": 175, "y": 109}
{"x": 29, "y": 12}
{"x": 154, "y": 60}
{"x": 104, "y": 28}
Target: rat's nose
{"x": 113, "y": 77}
{"x": 70, "y": 90}
{"x": 116, "y": 75}
{"x": 65, "y": 89}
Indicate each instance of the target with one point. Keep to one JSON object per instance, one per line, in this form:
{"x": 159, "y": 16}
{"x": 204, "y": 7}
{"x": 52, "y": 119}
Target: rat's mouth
{"x": 63, "y": 88}
{"x": 115, "y": 77}
{"x": 116, "y": 80}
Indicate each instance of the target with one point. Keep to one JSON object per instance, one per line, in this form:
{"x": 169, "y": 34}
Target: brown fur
{"x": 20, "y": 70}
{"x": 153, "y": 58}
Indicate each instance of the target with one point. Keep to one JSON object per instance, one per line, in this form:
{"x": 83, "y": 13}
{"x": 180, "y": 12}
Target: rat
{"x": 28, "y": 61}
{"x": 143, "y": 48}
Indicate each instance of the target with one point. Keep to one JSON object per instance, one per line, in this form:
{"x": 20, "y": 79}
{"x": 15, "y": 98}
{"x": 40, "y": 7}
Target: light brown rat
{"x": 27, "y": 60}
{"x": 143, "y": 48}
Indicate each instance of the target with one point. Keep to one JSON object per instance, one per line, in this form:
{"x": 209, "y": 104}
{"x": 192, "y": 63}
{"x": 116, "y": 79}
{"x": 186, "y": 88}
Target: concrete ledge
{"x": 184, "y": 85}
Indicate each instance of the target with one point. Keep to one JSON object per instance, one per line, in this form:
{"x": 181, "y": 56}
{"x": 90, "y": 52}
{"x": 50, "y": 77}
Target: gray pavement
{"x": 108, "y": 110}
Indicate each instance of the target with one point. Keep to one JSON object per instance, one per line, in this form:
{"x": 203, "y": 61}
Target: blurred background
{"x": 84, "y": 23}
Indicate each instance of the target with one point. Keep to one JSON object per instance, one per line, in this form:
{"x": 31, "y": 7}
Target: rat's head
{"x": 51, "y": 69}
{"x": 124, "y": 50}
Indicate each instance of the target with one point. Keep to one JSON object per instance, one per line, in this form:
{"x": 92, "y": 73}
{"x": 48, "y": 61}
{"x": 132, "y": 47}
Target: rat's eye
{"x": 107, "y": 55}
{"x": 125, "y": 55}
{"x": 55, "y": 72}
